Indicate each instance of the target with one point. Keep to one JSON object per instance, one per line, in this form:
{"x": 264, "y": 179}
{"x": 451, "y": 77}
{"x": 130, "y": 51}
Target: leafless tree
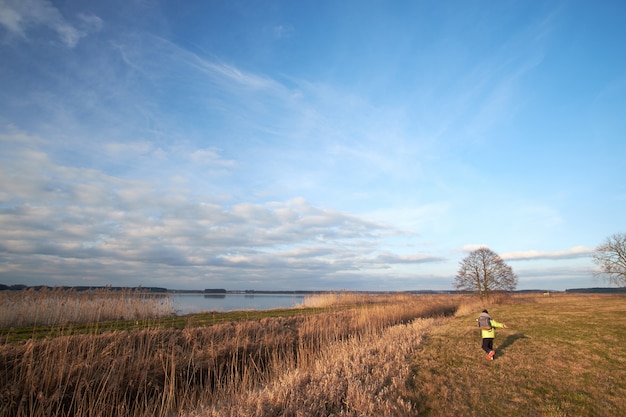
{"x": 611, "y": 257}
{"x": 484, "y": 271}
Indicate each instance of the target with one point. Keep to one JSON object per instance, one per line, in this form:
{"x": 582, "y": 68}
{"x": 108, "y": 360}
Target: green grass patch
{"x": 562, "y": 356}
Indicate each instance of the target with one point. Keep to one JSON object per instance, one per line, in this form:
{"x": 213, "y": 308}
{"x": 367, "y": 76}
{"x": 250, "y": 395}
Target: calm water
{"x": 193, "y": 303}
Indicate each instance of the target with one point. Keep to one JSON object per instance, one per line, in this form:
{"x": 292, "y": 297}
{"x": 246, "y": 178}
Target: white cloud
{"x": 408, "y": 259}
{"x": 210, "y": 157}
{"x": 557, "y": 278}
{"x": 575, "y": 252}
{"x": 11, "y": 19}
{"x": 473, "y": 247}
{"x": 66, "y": 220}
{"x": 91, "y": 23}
{"x": 17, "y": 16}
{"x": 129, "y": 148}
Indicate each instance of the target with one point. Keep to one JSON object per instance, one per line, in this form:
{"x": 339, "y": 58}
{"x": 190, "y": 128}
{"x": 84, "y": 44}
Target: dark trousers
{"x": 488, "y": 344}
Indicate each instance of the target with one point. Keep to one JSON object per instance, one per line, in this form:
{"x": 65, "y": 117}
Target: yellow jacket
{"x": 491, "y": 333}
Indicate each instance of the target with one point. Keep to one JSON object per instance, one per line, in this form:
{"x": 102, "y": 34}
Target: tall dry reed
{"x": 361, "y": 376}
{"x": 58, "y": 306}
{"x": 157, "y": 372}
{"x": 347, "y": 298}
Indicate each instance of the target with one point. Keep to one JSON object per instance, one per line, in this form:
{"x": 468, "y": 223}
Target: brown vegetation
{"x": 57, "y": 306}
{"x": 362, "y": 376}
{"x": 562, "y": 355}
{"x": 158, "y": 371}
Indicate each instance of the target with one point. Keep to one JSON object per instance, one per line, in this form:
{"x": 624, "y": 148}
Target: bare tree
{"x": 484, "y": 271}
{"x": 611, "y": 257}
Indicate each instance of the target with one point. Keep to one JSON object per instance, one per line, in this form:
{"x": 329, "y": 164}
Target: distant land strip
{"x": 20, "y": 287}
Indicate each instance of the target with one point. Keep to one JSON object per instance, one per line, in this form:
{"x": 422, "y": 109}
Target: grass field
{"x": 561, "y": 356}
{"x": 396, "y": 355}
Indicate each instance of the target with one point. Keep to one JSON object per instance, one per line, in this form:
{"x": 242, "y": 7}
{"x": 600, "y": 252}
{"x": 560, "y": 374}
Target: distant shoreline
{"x": 161, "y": 290}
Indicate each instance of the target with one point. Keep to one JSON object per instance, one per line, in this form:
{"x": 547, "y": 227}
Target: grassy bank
{"x": 561, "y": 356}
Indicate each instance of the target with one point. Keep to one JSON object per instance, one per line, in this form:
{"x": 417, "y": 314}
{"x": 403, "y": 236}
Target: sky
{"x": 308, "y": 145}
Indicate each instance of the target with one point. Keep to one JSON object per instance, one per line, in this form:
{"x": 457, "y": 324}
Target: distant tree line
{"x": 20, "y": 287}
{"x": 598, "y": 290}
{"x": 215, "y": 291}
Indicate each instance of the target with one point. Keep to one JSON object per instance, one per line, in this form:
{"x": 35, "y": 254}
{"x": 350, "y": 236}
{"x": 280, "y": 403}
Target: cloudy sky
{"x": 361, "y": 145}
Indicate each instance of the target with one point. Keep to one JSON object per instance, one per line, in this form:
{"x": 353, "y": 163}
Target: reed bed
{"x": 58, "y": 306}
{"x": 362, "y": 376}
{"x": 162, "y": 371}
{"x": 342, "y": 298}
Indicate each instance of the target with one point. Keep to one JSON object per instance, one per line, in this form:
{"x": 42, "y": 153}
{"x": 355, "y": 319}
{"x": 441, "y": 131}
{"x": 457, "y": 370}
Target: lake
{"x": 194, "y": 303}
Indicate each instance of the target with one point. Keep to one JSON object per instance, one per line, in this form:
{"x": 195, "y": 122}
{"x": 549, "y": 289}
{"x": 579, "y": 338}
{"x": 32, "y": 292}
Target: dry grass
{"x": 562, "y": 356}
{"x": 344, "y": 298}
{"x": 64, "y": 306}
{"x": 362, "y": 376}
{"x": 158, "y": 371}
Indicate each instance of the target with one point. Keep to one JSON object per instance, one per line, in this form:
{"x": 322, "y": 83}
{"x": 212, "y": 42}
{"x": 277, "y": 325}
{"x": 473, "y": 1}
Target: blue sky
{"x": 360, "y": 145}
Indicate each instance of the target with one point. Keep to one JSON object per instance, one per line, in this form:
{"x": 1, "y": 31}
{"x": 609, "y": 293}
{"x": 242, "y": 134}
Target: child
{"x": 488, "y": 333}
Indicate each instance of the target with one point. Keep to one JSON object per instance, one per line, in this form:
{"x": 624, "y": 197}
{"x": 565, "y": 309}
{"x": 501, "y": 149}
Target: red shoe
{"x": 491, "y": 354}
